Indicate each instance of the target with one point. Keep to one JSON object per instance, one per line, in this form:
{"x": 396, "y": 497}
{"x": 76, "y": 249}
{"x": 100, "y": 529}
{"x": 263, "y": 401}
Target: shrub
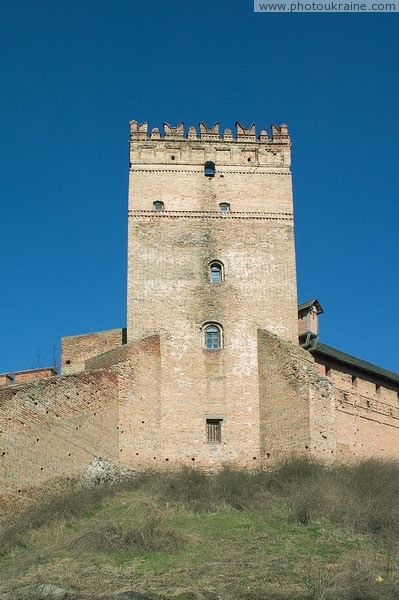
{"x": 66, "y": 500}
{"x": 151, "y": 536}
{"x": 361, "y": 496}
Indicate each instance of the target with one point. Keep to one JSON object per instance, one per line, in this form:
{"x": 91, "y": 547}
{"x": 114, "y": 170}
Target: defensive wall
{"x": 296, "y": 403}
{"x": 366, "y": 405}
{"x": 56, "y": 427}
{"x": 112, "y": 409}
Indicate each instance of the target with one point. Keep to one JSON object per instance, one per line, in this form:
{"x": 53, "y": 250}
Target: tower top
{"x": 279, "y": 134}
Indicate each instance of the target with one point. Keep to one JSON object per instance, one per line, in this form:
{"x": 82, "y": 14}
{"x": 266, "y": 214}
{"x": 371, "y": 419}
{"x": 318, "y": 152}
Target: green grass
{"x": 300, "y": 532}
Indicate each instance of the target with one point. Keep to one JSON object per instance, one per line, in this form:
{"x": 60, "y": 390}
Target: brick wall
{"x": 169, "y": 286}
{"x": 76, "y": 349}
{"x": 139, "y": 381}
{"x": 296, "y": 404}
{"x": 138, "y": 369}
{"x": 34, "y": 374}
{"x": 367, "y": 417}
{"x": 6, "y": 379}
{"x": 55, "y": 427}
{"x": 169, "y": 251}
{"x": 127, "y": 411}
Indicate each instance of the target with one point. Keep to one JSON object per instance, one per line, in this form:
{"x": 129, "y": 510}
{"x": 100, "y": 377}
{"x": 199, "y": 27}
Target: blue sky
{"x": 74, "y": 74}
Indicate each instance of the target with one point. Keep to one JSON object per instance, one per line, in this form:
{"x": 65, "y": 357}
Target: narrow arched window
{"x": 209, "y": 168}
{"x": 216, "y": 271}
{"x": 212, "y": 337}
{"x": 158, "y": 205}
{"x": 224, "y": 207}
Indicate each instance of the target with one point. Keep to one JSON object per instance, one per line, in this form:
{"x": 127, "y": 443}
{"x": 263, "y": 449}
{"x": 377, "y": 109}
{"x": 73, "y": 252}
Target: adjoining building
{"x": 217, "y": 364}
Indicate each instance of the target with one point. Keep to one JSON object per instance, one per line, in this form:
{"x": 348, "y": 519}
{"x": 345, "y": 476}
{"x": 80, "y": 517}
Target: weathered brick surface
{"x": 367, "y": 417}
{"x": 34, "y": 374}
{"x": 55, "y": 427}
{"x": 6, "y": 379}
{"x": 122, "y": 353}
{"x": 296, "y": 404}
{"x": 139, "y": 381}
{"x": 169, "y": 251}
{"x": 76, "y": 349}
{"x": 169, "y": 287}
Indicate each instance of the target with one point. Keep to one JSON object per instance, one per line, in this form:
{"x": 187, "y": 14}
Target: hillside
{"x": 300, "y": 532}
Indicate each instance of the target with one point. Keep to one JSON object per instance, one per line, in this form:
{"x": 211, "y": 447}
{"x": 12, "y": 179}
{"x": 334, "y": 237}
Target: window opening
{"x": 216, "y": 272}
{"x": 214, "y": 430}
{"x": 158, "y": 205}
{"x": 224, "y": 207}
{"x": 209, "y": 168}
{"x": 213, "y": 337}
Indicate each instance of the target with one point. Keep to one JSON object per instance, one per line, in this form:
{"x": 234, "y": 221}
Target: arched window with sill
{"x": 158, "y": 205}
{"x": 216, "y": 271}
{"x": 224, "y": 207}
{"x": 212, "y": 336}
{"x": 209, "y": 168}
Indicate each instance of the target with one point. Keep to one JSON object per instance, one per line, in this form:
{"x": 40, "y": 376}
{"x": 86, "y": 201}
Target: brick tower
{"x": 211, "y": 261}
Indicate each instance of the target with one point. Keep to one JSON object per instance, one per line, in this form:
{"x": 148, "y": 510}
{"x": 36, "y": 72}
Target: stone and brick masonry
{"x": 158, "y": 393}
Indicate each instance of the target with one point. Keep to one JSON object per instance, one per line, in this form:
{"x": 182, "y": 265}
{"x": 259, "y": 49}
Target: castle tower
{"x": 211, "y": 261}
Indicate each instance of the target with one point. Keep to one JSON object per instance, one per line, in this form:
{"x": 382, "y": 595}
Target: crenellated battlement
{"x": 279, "y": 134}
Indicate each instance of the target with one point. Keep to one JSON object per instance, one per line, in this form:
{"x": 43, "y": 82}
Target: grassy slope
{"x": 302, "y": 532}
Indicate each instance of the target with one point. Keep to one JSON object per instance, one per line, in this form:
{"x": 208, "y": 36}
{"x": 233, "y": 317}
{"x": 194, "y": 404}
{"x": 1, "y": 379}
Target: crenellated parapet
{"x": 279, "y": 134}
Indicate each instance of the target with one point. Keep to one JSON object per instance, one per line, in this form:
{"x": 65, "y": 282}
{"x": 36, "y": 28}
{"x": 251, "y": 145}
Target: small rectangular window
{"x": 214, "y": 430}
{"x": 158, "y": 205}
{"x": 216, "y": 275}
{"x": 212, "y": 338}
